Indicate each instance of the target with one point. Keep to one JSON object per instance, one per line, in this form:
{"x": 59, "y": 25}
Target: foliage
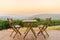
{"x": 38, "y": 19}
{"x": 4, "y": 24}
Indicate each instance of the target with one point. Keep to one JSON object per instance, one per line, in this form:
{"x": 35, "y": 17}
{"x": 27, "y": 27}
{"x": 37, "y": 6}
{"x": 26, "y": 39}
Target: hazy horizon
{"x": 27, "y": 15}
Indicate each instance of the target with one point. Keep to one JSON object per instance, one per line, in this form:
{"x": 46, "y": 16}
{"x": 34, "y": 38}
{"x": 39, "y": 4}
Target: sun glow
{"x": 29, "y": 6}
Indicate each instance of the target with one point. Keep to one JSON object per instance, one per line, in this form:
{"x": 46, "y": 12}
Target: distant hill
{"x": 15, "y": 17}
{"x": 43, "y": 16}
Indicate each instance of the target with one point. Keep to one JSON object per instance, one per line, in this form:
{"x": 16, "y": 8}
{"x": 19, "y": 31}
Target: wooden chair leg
{"x": 15, "y": 35}
{"x": 11, "y": 33}
{"x": 27, "y": 33}
{"x": 38, "y": 33}
{"x": 43, "y": 34}
{"x": 47, "y": 33}
{"x": 33, "y": 32}
{"x": 17, "y": 30}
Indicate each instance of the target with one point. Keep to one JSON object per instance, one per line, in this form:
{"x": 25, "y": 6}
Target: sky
{"x": 29, "y": 7}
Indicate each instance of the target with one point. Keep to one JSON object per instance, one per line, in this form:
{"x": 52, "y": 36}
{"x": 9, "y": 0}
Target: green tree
{"x": 38, "y": 19}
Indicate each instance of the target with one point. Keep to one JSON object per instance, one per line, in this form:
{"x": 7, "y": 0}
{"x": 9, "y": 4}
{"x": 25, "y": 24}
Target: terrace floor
{"x": 5, "y": 35}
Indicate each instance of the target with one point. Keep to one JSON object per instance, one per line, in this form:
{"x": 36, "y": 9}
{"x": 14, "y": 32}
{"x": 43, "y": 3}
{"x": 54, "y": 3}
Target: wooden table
{"x": 29, "y": 24}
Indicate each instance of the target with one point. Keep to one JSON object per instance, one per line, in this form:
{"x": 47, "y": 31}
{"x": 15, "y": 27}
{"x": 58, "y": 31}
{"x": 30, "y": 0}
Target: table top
{"x": 30, "y": 21}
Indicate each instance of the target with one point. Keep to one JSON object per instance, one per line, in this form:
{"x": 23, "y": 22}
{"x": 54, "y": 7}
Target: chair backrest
{"x": 48, "y": 20}
{"x": 10, "y": 21}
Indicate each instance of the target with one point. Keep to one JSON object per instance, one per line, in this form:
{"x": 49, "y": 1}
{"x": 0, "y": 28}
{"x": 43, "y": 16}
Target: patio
{"x": 5, "y": 35}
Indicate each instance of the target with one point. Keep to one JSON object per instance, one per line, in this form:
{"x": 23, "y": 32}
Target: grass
{"x": 37, "y": 29}
{"x": 54, "y": 27}
{"x": 49, "y": 28}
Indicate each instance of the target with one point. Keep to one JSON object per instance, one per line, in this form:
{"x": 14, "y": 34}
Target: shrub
{"x": 4, "y": 24}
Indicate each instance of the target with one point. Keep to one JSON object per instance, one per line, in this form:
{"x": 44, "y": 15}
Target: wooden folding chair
{"x": 14, "y": 27}
{"x": 43, "y": 27}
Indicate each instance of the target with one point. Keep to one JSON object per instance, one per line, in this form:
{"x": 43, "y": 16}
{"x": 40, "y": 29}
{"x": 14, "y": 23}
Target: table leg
{"x": 26, "y": 30}
{"x": 27, "y": 33}
{"x": 33, "y": 32}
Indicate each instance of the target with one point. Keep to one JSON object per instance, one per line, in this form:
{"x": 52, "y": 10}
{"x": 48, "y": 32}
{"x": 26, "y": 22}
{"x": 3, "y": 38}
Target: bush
{"x": 4, "y": 24}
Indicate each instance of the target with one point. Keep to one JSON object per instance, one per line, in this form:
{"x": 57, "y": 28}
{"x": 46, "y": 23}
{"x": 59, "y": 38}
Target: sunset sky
{"x": 29, "y": 7}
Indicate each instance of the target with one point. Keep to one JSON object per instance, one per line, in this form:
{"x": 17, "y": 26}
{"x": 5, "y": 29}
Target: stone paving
{"x": 54, "y": 35}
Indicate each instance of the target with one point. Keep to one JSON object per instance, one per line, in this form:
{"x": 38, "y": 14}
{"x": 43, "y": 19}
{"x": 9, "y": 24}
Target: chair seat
{"x": 17, "y": 26}
{"x": 40, "y": 26}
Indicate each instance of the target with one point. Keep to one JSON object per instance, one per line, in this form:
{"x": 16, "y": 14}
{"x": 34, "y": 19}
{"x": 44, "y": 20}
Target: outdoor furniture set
{"x": 16, "y": 28}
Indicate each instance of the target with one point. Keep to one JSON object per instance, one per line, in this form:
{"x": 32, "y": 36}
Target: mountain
{"x": 43, "y": 16}
{"x": 15, "y": 17}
